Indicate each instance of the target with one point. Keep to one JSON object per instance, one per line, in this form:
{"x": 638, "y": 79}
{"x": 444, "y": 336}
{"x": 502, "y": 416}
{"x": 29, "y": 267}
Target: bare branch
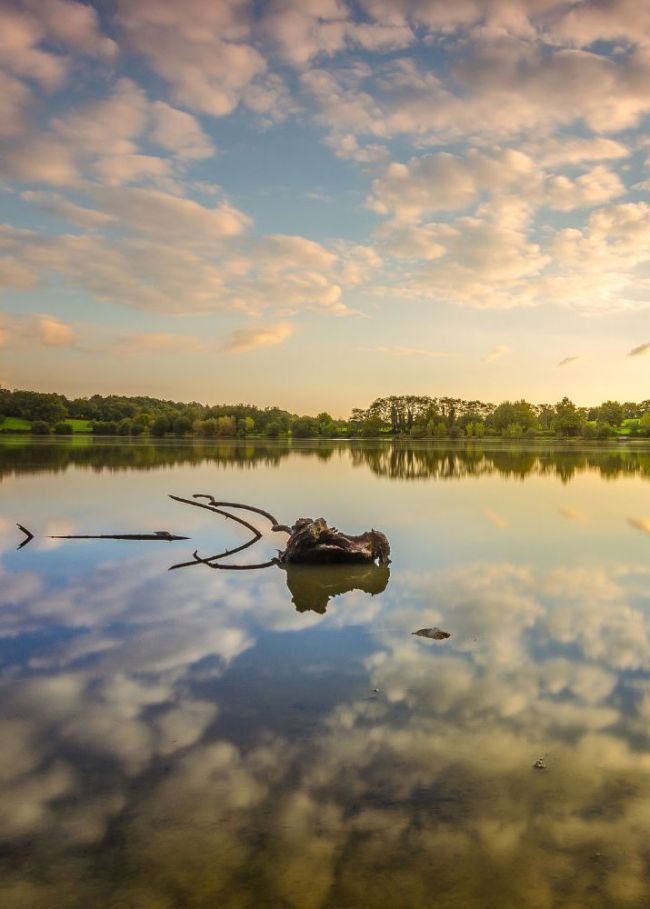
{"x": 28, "y": 534}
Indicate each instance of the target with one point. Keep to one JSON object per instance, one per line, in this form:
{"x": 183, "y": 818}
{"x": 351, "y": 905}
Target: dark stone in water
{"x": 437, "y": 634}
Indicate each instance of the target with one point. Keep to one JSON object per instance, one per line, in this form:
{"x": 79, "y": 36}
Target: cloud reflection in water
{"x": 114, "y": 743}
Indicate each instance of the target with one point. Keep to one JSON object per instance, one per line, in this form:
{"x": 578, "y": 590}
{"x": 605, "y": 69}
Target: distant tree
{"x": 512, "y": 413}
{"x": 304, "y": 428}
{"x": 604, "y": 430}
{"x": 226, "y": 427}
{"x": 182, "y": 426}
{"x": 208, "y": 428}
{"x": 40, "y": 428}
{"x": 104, "y": 428}
{"x": 63, "y": 429}
{"x": 245, "y": 426}
{"x": 273, "y": 429}
{"x": 326, "y": 425}
{"x": 568, "y": 420}
{"x": 161, "y": 426}
{"x": 610, "y": 412}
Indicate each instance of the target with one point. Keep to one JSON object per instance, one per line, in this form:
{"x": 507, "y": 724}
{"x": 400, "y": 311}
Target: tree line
{"x": 396, "y": 416}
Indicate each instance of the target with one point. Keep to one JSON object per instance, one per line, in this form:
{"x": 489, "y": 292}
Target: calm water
{"x": 200, "y": 738}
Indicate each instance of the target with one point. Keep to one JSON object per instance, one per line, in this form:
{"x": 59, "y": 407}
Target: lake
{"x": 272, "y": 738}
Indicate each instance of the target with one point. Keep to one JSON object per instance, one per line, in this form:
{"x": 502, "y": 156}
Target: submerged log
{"x": 313, "y": 542}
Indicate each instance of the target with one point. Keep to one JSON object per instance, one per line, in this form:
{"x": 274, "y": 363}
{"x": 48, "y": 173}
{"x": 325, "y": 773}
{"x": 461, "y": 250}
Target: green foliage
{"x": 508, "y": 416}
{"x": 408, "y": 416}
{"x": 182, "y": 426}
{"x": 63, "y": 429}
{"x": 226, "y": 427}
{"x": 79, "y": 425}
{"x": 40, "y": 428}
{"x": 568, "y": 420}
{"x": 610, "y": 412}
{"x": 16, "y": 424}
{"x": 105, "y": 428}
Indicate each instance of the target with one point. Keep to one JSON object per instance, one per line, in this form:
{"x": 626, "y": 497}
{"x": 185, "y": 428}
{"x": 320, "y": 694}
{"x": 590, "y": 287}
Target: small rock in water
{"x": 436, "y": 633}
{"x": 540, "y": 764}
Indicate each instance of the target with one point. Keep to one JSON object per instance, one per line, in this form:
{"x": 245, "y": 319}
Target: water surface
{"x": 201, "y": 738}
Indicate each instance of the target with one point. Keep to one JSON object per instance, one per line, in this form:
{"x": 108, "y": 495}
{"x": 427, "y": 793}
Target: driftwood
{"x": 311, "y": 542}
{"x": 158, "y": 535}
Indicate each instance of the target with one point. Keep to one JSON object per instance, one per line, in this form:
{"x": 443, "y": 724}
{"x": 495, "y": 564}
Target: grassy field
{"x": 79, "y": 425}
{"x": 627, "y": 426}
{"x": 15, "y": 424}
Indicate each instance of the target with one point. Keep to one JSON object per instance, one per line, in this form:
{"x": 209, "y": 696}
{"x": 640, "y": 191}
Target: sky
{"x": 312, "y": 203}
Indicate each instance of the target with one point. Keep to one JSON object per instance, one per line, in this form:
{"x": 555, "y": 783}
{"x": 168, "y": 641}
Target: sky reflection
{"x": 194, "y": 738}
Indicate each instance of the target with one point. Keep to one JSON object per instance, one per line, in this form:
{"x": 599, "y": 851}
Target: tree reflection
{"x": 312, "y": 586}
{"x": 393, "y": 460}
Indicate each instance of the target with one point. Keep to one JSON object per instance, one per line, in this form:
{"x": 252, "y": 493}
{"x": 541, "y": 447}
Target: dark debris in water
{"x": 437, "y": 634}
{"x": 540, "y": 764}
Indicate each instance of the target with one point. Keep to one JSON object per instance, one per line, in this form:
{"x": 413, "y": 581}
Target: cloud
{"x": 40, "y": 330}
{"x": 30, "y": 29}
{"x": 53, "y": 332}
{"x": 61, "y": 207}
{"x": 496, "y": 519}
{"x": 161, "y": 343}
{"x": 201, "y": 49}
{"x": 639, "y": 351}
{"x": 299, "y": 30}
{"x": 15, "y": 98}
{"x": 245, "y": 339}
{"x": 642, "y": 524}
{"x": 397, "y": 350}
{"x": 447, "y": 182}
{"x": 179, "y": 132}
{"x": 161, "y": 215}
{"x": 501, "y": 351}
{"x": 573, "y": 514}
{"x": 554, "y": 151}
{"x": 498, "y": 87}
{"x": 568, "y": 360}
{"x": 101, "y": 140}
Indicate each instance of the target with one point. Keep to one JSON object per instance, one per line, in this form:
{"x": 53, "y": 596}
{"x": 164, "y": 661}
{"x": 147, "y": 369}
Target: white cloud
{"x": 499, "y": 87}
{"x": 500, "y": 351}
{"x": 159, "y": 214}
{"x": 300, "y": 30}
{"x": 34, "y": 331}
{"x": 446, "y": 182}
{"x": 62, "y": 207}
{"x": 245, "y": 339}
{"x": 179, "y": 132}
{"x": 558, "y": 151}
{"x": 199, "y": 48}
{"x": 642, "y": 524}
{"x": 160, "y": 343}
{"x": 14, "y": 100}
{"x": 640, "y": 350}
{"x": 398, "y": 350}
